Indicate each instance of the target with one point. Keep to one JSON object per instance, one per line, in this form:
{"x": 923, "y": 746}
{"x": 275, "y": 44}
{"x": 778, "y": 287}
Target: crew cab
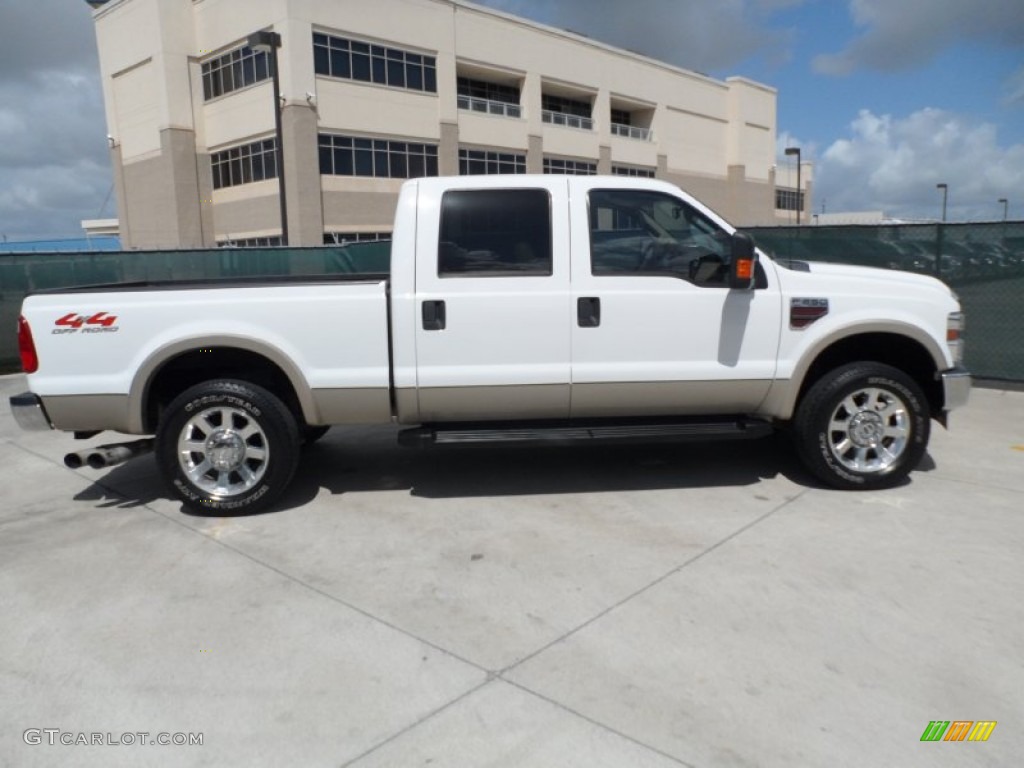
{"x": 515, "y": 308}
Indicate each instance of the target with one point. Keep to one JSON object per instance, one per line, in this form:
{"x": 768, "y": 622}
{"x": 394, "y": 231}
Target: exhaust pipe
{"x": 76, "y": 460}
{"x": 103, "y": 456}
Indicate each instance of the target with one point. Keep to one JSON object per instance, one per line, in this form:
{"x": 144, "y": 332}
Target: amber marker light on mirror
{"x": 27, "y": 347}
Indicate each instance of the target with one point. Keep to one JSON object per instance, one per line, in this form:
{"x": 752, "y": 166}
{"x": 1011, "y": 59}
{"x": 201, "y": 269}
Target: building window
{"x": 569, "y": 167}
{"x": 234, "y": 70}
{"x": 495, "y": 233}
{"x": 478, "y": 162}
{"x": 628, "y": 170}
{"x": 250, "y": 242}
{"x": 344, "y": 238}
{"x": 559, "y": 110}
{"x": 488, "y": 98}
{"x": 788, "y": 200}
{"x": 244, "y": 164}
{"x": 380, "y": 158}
{"x": 369, "y": 63}
{"x": 622, "y": 117}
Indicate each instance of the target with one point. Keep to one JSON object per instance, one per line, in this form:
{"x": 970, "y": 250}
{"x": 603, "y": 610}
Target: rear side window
{"x": 495, "y": 233}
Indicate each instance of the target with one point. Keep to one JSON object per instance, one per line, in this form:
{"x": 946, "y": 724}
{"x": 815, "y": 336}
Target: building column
{"x": 604, "y": 160}
{"x": 662, "y": 172}
{"x": 302, "y": 175}
{"x": 448, "y": 152}
{"x": 737, "y": 179}
{"x": 535, "y": 154}
{"x": 124, "y": 223}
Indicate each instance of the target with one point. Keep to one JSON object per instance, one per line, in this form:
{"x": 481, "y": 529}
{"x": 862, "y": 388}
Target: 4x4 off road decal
{"x": 101, "y": 322}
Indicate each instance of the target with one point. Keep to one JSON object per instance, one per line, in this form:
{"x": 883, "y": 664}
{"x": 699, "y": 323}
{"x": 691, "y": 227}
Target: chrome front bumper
{"x": 29, "y": 412}
{"x": 956, "y": 388}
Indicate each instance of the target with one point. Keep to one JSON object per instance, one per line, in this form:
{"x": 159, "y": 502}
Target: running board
{"x": 452, "y": 434}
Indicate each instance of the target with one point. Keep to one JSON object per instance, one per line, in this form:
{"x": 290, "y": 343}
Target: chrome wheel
{"x": 869, "y": 430}
{"x": 223, "y": 451}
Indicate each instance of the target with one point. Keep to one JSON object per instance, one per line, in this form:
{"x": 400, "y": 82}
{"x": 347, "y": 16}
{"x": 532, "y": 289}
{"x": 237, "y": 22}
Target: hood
{"x": 888, "y": 277}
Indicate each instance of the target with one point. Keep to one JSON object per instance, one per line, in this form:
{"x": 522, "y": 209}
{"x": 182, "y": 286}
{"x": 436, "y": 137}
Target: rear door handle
{"x": 588, "y": 312}
{"x": 433, "y": 316}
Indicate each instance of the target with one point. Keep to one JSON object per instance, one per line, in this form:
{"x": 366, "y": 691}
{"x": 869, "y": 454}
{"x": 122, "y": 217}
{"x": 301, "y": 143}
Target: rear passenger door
{"x": 493, "y": 319}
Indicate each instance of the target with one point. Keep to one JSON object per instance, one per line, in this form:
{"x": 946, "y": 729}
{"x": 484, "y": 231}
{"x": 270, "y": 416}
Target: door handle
{"x": 588, "y": 312}
{"x": 433, "y": 316}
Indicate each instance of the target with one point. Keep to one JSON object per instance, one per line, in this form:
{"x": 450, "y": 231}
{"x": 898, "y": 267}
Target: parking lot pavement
{"x": 662, "y": 605}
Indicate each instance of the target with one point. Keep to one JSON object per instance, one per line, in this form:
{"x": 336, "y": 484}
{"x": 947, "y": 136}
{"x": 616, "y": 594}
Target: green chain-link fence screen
{"x": 23, "y": 273}
{"x": 984, "y": 263}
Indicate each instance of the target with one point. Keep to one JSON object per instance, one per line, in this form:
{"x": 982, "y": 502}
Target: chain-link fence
{"x": 24, "y": 273}
{"x": 983, "y": 262}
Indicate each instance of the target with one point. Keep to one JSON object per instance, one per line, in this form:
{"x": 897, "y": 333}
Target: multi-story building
{"x": 373, "y": 93}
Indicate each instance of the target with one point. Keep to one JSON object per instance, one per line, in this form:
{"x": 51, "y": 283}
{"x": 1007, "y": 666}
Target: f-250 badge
{"x": 73, "y": 322}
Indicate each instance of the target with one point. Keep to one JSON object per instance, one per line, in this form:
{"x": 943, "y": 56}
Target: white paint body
{"x": 512, "y": 345}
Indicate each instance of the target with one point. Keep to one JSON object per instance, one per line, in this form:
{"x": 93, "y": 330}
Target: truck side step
{"x": 566, "y": 432}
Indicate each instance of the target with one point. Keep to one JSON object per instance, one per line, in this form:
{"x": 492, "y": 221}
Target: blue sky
{"x": 886, "y": 97}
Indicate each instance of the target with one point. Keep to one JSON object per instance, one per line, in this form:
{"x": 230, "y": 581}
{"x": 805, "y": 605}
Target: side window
{"x": 644, "y": 233}
{"x": 495, "y": 233}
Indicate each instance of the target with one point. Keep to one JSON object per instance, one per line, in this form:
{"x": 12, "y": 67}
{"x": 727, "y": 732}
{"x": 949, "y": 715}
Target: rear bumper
{"x": 29, "y": 412}
{"x": 956, "y": 388}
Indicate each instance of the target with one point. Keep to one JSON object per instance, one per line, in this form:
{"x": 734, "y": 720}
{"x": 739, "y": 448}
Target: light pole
{"x": 945, "y": 199}
{"x": 1006, "y": 207}
{"x": 268, "y": 42}
{"x": 799, "y": 191}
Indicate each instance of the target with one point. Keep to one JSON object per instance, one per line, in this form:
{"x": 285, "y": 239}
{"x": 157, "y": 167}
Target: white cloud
{"x": 1013, "y": 89}
{"x": 893, "y": 164}
{"x": 903, "y": 34}
{"x": 703, "y": 36}
{"x": 54, "y": 165}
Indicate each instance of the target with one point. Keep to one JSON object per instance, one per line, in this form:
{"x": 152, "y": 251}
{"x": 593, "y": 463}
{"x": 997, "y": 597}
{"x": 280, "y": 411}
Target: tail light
{"x": 955, "y": 336}
{"x": 27, "y": 347}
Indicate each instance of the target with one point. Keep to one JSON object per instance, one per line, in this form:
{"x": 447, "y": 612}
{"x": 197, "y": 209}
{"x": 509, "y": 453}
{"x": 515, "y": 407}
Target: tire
{"x": 243, "y": 435}
{"x": 863, "y": 426}
{"x": 310, "y": 435}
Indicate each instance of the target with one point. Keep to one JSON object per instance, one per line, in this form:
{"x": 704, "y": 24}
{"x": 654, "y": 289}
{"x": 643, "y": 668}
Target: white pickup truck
{"x": 516, "y": 308}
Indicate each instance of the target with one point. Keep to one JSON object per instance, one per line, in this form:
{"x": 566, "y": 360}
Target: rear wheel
{"x": 862, "y": 426}
{"x": 227, "y": 446}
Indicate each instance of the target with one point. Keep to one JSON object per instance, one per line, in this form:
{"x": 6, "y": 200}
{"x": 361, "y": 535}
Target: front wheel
{"x": 862, "y": 426}
{"x": 227, "y": 446}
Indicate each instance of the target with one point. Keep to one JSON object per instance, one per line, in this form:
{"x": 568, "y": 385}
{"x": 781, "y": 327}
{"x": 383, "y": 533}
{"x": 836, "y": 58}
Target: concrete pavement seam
{"x": 667, "y": 575}
{"x": 598, "y": 723}
{"x": 413, "y": 726}
{"x": 252, "y": 558}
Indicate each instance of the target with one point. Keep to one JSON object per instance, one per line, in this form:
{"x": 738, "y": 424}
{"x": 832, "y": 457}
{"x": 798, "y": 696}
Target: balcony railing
{"x": 489, "y": 107}
{"x": 569, "y": 121}
{"x": 631, "y": 132}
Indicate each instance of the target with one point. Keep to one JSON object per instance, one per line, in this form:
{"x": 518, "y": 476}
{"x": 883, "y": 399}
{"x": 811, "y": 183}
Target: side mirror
{"x": 744, "y": 257}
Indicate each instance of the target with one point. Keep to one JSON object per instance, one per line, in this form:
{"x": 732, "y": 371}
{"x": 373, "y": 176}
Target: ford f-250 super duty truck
{"x": 516, "y": 308}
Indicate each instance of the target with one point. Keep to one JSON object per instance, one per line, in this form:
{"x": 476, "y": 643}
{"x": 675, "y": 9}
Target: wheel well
{"x": 199, "y": 365}
{"x": 892, "y": 349}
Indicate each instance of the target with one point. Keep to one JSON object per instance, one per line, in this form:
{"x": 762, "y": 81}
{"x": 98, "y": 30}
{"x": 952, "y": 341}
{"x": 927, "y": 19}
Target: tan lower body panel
{"x": 352, "y": 406}
{"x": 528, "y": 401}
{"x": 667, "y": 398}
{"x": 85, "y": 413}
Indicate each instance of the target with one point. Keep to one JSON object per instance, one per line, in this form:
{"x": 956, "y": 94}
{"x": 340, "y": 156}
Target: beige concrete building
{"x": 376, "y": 92}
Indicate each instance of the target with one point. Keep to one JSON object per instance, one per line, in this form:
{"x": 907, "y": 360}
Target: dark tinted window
{"x": 495, "y": 232}
{"x": 644, "y": 233}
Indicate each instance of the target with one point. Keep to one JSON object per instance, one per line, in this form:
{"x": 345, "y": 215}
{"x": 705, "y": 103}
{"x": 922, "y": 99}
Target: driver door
{"x": 657, "y": 331}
